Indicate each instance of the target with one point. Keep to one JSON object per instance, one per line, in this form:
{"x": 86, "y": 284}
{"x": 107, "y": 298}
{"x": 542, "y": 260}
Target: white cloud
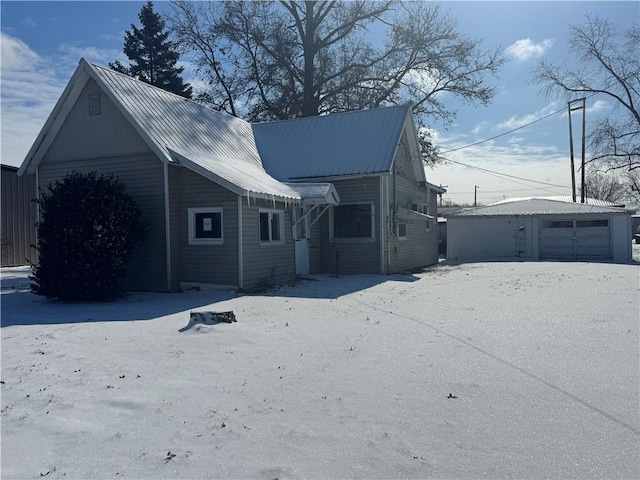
{"x": 597, "y": 106}
{"x": 75, "y": 51}
{"x": 518, "y": 156}
{"x": 525, "y": 48}
{"x": 480, "y": 127}
{"x": 28, "y": 22}
{"x": 516, "y": 122}
{"x": 30, "y": 89}
{"x": 16, "y": 55}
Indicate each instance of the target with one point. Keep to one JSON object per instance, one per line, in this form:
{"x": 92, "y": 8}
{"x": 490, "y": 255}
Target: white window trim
{"x": 192, "y": 226}
{"x": 282, "y": 219}
{"x": 427, "y": 225}
{"x": 372, "y": 238}
{"x": 406, "y": 227}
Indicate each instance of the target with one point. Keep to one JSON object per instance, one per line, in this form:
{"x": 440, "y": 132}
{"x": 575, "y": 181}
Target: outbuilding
{"x": 540, "y": 229}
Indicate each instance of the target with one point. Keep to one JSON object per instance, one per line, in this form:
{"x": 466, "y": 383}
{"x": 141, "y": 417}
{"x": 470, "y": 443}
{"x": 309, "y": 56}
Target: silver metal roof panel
{"x": 341, "y": 144}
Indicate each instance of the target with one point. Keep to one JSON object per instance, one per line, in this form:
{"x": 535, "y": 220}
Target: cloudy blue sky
{"x": 42, "y": 43}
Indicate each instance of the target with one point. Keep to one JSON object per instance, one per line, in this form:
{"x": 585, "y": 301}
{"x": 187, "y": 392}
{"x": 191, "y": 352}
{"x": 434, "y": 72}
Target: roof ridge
{"x": 150, "y": 85}
{"x": 332, "y": 115}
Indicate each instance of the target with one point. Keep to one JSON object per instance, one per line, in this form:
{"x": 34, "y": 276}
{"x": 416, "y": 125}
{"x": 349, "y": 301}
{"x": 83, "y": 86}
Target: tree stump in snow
{"x": 209, "y": 318}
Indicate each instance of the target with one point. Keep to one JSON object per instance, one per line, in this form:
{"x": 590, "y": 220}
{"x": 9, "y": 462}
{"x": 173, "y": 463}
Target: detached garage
{"x": 540, "y": 229}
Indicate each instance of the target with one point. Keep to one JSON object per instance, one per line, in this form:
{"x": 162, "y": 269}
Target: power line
{"x": 506, "y": 133}
{"x": 514, "y": 130}
{"x": 492, "y": 172}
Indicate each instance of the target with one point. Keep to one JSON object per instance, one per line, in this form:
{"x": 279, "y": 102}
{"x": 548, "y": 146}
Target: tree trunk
{"x": 310, "y": 103}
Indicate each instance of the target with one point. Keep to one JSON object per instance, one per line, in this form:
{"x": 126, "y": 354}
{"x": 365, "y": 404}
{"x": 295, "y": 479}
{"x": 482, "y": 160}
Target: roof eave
{"x": 232, "y": 187}
{"x": 54, "y": 121}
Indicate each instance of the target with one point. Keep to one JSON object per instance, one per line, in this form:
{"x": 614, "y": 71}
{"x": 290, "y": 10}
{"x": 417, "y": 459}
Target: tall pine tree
{"x": 152, "y": 57}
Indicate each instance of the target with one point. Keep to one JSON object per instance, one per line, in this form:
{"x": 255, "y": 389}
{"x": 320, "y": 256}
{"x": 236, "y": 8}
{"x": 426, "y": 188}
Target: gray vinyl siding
{"x": 266, "y": 264}
{"x": 420, "y": 247}
{"x": 144, "y": 181}
{"x": 18, "y": 218}
{"x": 174, "y": 223}
{"x": 105, "y": 135}
{"x": 108, "y": 144}
{"x": 315, "y": 245}
{"x": 355, "y": 256}
{"x": 212, "y": 264}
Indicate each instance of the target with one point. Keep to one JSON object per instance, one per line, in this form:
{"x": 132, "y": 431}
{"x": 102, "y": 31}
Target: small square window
{"x": 205, "y": 226}
{"x": 402, "y": 231}
{"x": 271, "y": 226}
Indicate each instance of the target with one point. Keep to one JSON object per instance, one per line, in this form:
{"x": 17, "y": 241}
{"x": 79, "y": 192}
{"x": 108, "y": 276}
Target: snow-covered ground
{"x": 480, "y": 370}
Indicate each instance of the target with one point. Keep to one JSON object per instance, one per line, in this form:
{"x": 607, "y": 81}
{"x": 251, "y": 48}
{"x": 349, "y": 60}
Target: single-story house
{"x": 243, "y": 205}
{"x": 18, "y": 218}
{"x": 540, "y": 229}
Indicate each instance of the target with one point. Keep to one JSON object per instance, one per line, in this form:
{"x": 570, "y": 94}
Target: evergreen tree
{"x": 153, "y": 59}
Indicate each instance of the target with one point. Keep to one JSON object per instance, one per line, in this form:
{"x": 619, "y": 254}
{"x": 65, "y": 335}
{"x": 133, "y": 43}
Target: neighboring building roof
{"x": 563, "y": 198}
{"x": 342, "y": 144}
{"x": 534, "y": 206}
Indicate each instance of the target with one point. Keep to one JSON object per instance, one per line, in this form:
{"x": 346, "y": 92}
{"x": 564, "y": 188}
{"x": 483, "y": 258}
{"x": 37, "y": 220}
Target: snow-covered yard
{"x": 482, "y": 370}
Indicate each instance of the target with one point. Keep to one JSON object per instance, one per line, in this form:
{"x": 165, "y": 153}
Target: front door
{"x": 301, "y": 237}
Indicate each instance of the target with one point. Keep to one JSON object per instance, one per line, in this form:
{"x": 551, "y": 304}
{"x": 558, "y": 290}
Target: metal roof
{"x": 563, "y": 198}
{"x": 350, "y": 143}
{"x": 247, "y": 159}
{"x": 534, "y": 206}
{"x": 216, "y": 145}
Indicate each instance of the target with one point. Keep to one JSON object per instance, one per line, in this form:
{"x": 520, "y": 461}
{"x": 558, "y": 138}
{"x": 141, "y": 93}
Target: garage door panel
{"x": 556, "y": 240}
{"x": 593, "y": 242}
{"x": 575, "y": 239}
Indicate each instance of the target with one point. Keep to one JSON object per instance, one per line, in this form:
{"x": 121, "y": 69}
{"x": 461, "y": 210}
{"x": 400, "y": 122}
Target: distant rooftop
{"x": 535, "y": 206}
{"x": 563, "y": 198}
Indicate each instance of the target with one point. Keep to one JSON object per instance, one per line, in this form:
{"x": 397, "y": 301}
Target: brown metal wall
{"x": 18, "y": 218}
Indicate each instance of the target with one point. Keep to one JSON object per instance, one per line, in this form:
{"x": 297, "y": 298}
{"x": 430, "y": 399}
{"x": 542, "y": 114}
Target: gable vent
{"x": 94, "y": 104}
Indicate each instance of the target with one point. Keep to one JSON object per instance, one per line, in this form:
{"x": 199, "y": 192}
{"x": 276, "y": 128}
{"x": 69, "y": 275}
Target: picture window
{"x": 205, "y": 226}
{"x": 353, "y": 222}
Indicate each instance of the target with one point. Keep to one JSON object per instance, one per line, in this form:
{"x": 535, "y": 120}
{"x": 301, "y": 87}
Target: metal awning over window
{"x": 316, "y": 193}
{"x": 315, "y": 199}
{"x": 407, "y": 214}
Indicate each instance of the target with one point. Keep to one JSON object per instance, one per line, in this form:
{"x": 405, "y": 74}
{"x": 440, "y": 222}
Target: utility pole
{"x": 583, "y": 193}
{"x": 442, "y": 192}
{"x": 475, "y": 195}
{"x": 572, "y": 108}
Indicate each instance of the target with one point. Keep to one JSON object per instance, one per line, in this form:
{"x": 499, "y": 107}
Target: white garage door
{"x": 575, "y": 239}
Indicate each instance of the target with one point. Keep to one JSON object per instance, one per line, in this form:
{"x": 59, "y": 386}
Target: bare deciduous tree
{"x": 606, "y": 63}
{"x": 286, "y": 59}
{"x": 604, "y": 186}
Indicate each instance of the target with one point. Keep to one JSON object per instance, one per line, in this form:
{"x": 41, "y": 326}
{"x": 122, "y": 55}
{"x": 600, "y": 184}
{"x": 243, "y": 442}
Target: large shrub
{"x": 89, "y": 227}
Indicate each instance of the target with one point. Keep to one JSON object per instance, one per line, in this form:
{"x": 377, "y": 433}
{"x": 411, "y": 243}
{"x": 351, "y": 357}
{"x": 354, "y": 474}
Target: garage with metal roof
{"x": 540, "y": 229}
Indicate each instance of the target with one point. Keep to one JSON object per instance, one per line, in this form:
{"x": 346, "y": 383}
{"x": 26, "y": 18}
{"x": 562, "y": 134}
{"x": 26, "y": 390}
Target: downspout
{"x": 388, "y": 265}
{"x": 167, "y": 225}
{"x": 240, "y": 258}
{"x": 37, "y": 195}
{"x": 394, "y": 224}
{"x": 382, "y": 225}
